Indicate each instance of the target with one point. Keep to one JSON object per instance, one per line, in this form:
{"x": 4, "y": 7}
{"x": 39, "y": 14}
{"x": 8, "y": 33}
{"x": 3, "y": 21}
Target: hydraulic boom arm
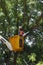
{"x": 6, "y": 43}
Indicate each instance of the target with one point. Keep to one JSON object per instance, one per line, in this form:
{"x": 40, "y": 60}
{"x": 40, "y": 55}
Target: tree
{"x": 29, "y": 14}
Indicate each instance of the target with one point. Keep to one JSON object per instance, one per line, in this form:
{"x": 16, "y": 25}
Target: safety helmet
{"x": 20, "y": 27}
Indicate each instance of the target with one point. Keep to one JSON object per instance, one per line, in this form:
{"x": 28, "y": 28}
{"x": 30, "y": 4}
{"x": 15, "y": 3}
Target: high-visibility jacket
{"x": 21, "y": 33}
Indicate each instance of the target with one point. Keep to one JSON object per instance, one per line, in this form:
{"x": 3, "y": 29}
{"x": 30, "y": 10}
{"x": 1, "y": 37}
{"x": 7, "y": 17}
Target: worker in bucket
{"x": 20, "y": 31}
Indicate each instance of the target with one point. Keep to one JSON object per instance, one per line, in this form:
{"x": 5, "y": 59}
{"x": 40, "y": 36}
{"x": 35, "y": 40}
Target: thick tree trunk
{"x": 16, "y": 14}
{"x": 15, "y": 57}
{"x": 25, "y": 17}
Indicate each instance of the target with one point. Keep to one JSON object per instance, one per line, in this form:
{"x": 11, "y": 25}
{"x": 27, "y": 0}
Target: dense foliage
{"x": 29, "y": 14}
